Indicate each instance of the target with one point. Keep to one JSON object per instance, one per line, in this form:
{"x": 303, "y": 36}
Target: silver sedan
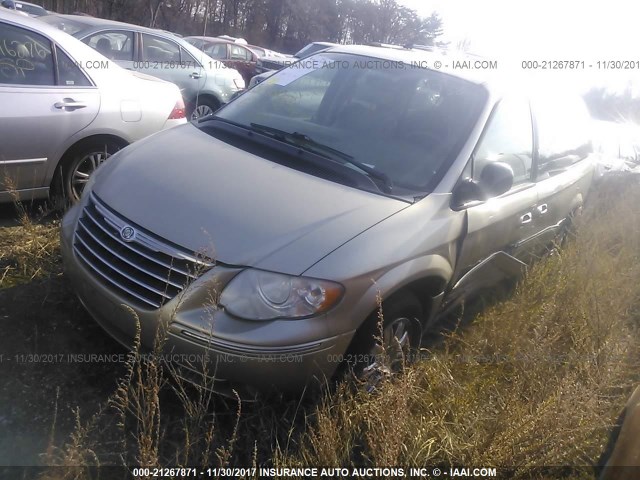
{"x": 206, "y": 84}
{"x": 64, "y": 109}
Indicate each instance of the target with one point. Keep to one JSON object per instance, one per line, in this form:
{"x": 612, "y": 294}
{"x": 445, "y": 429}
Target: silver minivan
{"x": 264, "y": 235}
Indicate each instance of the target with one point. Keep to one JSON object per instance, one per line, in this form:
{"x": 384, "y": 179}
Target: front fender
{"x": 429, "y": 274}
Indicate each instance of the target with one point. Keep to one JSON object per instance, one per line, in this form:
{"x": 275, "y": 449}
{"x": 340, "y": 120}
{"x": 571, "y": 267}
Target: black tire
{"x": 376, "y": 354}
{"x": 74, "y": 170}
{"x": 202, "y": 107}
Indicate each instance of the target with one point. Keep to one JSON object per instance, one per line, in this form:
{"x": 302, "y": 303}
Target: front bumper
{"x": 197, "y": 338}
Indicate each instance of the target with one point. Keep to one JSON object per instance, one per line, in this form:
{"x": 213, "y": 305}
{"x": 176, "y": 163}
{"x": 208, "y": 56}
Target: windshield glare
{"x": 407, "y": 123}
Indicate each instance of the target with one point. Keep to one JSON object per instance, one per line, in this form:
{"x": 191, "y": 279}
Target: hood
{"x": 208, "y": 196}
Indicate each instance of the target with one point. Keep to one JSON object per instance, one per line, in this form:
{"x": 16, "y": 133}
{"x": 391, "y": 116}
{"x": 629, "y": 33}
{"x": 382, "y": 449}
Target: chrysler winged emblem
{"x": 128, "y": 233}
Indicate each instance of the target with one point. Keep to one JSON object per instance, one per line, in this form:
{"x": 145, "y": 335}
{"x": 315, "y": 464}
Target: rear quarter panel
{"x": 130, "y": 109}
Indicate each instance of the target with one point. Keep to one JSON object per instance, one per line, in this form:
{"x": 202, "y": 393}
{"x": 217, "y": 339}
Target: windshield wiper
{"x": 305, "y": 142}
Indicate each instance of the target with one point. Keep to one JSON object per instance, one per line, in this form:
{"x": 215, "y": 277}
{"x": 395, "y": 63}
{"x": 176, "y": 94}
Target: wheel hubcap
{"x": 390, "y": 356}
{"x": 201, "y": 111}
{"x": 84, "y": 169}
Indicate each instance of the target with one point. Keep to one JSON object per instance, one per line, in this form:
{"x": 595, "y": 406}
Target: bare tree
{"x": 279, "y": 24}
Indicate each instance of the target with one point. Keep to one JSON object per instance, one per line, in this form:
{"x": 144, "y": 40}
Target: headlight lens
{"x": 260, "y": 295}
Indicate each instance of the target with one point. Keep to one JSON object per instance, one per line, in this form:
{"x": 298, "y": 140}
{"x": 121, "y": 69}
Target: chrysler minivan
{"x": 263, "y": 236}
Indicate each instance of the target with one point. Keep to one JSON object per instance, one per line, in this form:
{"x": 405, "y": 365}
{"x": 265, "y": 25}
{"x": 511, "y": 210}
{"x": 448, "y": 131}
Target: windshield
{"x": 407, "y": 124}
{"x": 310, "y": 49}
{"x": 32, "y": 9}
{"x": 66, "y": 25}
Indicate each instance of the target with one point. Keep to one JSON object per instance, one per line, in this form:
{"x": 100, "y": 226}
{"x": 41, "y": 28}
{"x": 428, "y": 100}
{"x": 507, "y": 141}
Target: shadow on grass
{"x": 46, "y": 365}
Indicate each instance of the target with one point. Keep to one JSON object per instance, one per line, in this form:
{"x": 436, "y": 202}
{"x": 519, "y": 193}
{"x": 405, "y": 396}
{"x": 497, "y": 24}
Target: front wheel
{"x": 387, "y": 352}
{"x": 74, "y": 171}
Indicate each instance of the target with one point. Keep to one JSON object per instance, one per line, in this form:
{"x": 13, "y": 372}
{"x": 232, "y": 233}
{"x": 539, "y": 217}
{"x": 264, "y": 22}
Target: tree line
{"x": 288, "y": 25}
{"x": 614, "y": 106}
{"x": 285, "y": 25}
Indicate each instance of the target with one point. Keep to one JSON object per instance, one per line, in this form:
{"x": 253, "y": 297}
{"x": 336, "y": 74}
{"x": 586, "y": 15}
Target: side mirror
{"x": 496, "y": 178}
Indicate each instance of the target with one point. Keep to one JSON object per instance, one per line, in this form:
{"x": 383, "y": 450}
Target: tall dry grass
{"x": 31, "y": 251}
{"x": 536, "y": 380}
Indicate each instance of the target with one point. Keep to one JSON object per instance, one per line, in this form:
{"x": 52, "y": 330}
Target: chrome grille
{"x": 146, "y": 270}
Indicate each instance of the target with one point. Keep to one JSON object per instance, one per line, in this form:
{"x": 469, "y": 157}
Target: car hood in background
{"x": 208, "y": 196}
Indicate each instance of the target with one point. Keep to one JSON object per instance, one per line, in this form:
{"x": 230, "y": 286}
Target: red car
{"x": 233, "y": 55}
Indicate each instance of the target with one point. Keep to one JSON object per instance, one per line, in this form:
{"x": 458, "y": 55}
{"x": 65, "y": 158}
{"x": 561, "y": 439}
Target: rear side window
{"x": 239, "y": 53}
{"x": 195, "y": 42}
{"x": 508, "y": 138}
{"x": 113, "y": 45}
{"x": 216, "y": 50}
{"x": 156, "y": 49}
{"x": 563, "y": 126}
{"x": 68, "y": 72}
{"x": 25, "y": 57}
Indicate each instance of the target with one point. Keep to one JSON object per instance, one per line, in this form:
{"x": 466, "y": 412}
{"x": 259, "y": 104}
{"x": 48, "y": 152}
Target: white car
{"x": 24, "y": 8}
{"x": 65, "y": 108}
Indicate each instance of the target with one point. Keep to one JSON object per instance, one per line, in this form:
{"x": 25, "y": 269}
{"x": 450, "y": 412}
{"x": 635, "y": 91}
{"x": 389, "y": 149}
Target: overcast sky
{"x": 546, "y": 29}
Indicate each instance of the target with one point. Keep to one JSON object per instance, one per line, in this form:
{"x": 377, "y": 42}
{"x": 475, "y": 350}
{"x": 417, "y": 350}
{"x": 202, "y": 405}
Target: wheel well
{"x": 423, "y": 289}
{"x": 207, "y": 96}
{"x": 569, "y": 223}
{"x": 81, "y": 143}
{"x": 87, "y": 140}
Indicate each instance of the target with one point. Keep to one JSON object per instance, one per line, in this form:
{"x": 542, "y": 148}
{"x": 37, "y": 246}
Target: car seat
{"x": 104, "y": 47}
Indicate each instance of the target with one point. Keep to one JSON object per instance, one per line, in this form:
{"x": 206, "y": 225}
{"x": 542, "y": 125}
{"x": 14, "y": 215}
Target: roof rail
{"x": 428, "y": 48}
{"x": 386, "y": 45}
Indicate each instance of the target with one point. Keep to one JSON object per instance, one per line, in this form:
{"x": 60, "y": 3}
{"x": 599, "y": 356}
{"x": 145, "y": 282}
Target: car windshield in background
{"x": 402, "y": 124}
{"x": 31, "y": 9}
{"x": 310, "y": 49}
{"x": 68, "y": 26}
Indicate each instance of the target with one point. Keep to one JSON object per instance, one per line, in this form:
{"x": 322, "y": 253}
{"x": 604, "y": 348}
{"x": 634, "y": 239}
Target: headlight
{"x": 260, "y": 295}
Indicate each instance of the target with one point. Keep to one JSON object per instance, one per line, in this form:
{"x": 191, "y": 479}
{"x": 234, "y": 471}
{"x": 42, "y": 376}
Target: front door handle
{"x": 526, "y": 218}
{"x": 195, "y": 75}
{"x": 542, "y": 209}
{"x": 69, "y": 104}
